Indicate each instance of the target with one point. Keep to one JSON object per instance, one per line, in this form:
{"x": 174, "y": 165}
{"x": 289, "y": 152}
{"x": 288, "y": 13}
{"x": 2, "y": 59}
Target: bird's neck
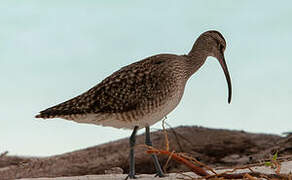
{"x": 196, "y": 58}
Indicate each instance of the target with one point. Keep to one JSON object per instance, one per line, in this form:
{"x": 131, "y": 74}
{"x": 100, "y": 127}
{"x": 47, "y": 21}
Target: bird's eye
{"x": 221, "y": 47}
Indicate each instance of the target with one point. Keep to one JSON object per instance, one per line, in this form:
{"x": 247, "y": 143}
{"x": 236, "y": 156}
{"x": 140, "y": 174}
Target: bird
{"x": 140, "y": 94}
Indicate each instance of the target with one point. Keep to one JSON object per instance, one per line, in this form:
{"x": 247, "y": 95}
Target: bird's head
{"x": 213, "y": 44}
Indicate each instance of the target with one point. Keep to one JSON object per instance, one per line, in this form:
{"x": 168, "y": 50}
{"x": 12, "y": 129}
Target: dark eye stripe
{"x": 221, "y": 47}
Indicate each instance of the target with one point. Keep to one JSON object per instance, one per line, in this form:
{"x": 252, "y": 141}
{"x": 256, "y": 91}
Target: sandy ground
{"x": 286, "y": 168}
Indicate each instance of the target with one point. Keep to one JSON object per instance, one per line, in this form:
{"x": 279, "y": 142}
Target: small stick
{"x": 199, "y": 171}
{"x": 198, "y": 162}
{"x": 166, "y": 164}
{"x": 238, "y": 168}
{"x": 249, "y": 177}
{"x": 165, "y": 134}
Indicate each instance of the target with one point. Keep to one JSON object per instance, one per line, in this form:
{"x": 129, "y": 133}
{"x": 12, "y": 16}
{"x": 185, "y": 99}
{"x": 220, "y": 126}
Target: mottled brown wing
{"x": 126, "y": 89}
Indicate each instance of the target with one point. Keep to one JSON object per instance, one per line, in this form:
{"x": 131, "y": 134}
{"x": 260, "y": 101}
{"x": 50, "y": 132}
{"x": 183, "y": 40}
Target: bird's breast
{"x": 159, "y": 108}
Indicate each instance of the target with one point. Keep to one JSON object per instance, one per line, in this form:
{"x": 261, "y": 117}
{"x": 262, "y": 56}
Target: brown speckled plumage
{"x": 140, "y": 89}
{"x": 127, "y": 89}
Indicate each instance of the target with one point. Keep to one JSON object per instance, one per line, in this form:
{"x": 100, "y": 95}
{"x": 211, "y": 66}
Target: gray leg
{"x": 154, "y": 157}
{"x": 132, "y": 158}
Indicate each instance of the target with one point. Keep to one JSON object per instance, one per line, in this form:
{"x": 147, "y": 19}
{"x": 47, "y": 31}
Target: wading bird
{"x": 142, "y": 93}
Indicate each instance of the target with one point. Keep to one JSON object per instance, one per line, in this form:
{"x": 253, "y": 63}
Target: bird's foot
{"x": 160, "y": 174}
{"x": 131, "y": 176}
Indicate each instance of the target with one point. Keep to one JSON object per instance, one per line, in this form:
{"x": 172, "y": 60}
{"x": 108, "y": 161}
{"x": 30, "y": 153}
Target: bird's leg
{"x": 132, "y": 158}
{"x": 154, "y": 157}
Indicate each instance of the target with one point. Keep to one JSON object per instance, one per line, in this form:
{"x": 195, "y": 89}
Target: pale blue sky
{"x": 51, "y": 51}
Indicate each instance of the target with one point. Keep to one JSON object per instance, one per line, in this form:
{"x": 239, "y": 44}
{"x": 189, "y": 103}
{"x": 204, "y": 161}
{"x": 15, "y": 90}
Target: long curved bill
{"x": 228, "y": 79}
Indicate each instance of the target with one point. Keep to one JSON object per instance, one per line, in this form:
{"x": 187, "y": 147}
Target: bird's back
{"x": 131, "y": 93}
